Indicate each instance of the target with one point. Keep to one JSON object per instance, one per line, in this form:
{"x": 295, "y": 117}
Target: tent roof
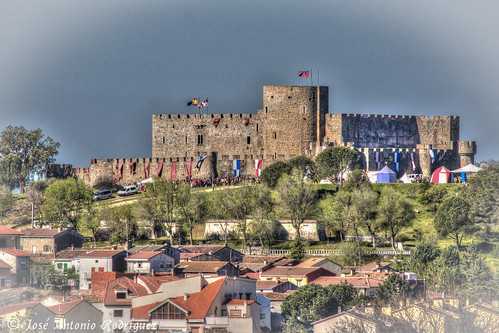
{"x": 386, "y": 169}
{"x": 468, "y": 168}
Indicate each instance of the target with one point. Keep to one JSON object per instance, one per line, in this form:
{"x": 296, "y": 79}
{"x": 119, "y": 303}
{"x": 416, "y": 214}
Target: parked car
{"x": 128, "y": 190}
{"x": 103, "y": 194}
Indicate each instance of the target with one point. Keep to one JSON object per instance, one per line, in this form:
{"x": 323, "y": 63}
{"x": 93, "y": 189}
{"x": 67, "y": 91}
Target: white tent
{"x": 148, "y": 180}
{"x": 468, "y": 168}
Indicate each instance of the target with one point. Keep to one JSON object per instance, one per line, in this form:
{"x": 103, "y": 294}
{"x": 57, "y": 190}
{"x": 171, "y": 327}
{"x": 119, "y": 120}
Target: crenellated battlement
{"x": 185, "y": 116}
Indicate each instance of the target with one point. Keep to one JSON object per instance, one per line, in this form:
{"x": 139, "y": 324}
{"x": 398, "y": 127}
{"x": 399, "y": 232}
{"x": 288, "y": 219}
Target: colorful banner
{"x": 188, "y": 169}
{"x": 216, "y": 121}
{"x": 173, "y": 174}
{"x": 258, "y": 167}
{"x": 396, "y": 161}
{"x": 377, "y": 154}
{"x": 432, "y": 155}
{"x": 245, "y": 121}
{"x": 199, "y": 163}
{"x": 236, "y": 167}
{"x": 120, "y": 169}
{"x": 160, "y": 169}
{"x": 411, "y": 156}
{"x": 131, "y": 166}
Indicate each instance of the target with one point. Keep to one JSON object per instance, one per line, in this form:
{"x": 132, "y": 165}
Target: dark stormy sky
{"x": 92, "y": 73}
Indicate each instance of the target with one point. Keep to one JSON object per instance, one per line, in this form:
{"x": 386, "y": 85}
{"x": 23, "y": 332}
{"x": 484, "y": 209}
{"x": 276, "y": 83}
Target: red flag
{"x": 245, "y": 121}
{"x": 258, "y": 167}
{"x": 202, "y": 105}
{"x": 216, "y": 121}
{"x": 174, "y": 171}
{"x": 194, "y": 102}
{"x": 120, "y": 168}
{"x": 188, "y": 169}
{"x": 305, "y": 74}
{"x": 160, "y": 169}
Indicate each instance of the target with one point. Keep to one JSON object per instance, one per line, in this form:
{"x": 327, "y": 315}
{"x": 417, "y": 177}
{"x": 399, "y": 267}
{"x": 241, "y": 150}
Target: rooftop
{"x": 15, "y": 252}
{"x": 16, "y": 307}
{"x": 42, "y": 232}
{"x": 64, "y": 308}
{"x": 8, "y": 231}
{"x": 70, "y": 254}
{"x": 289, "y": 271}
{"x": 144, "y": 255}
{"x": 200, "y": 266}
{"x": 134, "y": 289}
{"x": 357, "y": 282}
{"x": 100, "y": 253}
{"x": 3, "y": 264}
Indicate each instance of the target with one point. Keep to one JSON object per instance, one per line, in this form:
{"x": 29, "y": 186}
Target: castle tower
{"x": 467, "y": 151}
{"x": 294, "y": 120}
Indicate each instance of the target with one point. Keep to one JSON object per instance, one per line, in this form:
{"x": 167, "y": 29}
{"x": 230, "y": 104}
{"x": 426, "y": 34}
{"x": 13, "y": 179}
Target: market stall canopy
{"x": 468, "y": 168}
{"x": 386, "y": 175}
{"x": 441, "y": 175}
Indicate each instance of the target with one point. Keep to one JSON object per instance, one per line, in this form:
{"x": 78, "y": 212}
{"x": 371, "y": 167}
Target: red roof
{"x": 154, "y": 282}
{"x": 17, "y": 307}
{"x": 64, "y": 308}
{"x": 100, "y": 254}
{"x": 8, "y": 231}
{"x": 373, "y": 266}
{"x": 3, "y": 264}
{"x": 134, "y": 290}
{"x": 239, "y": 302}
{"x": 200, "y": 266}
{"x": 15, "y": 252}
{"x": 197, "y": 303}
{"x": 70, "y": 254}
{"x": 144, "y": 255}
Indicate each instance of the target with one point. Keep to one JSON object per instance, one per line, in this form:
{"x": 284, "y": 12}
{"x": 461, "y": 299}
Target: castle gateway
{"x": 294, "y": 121}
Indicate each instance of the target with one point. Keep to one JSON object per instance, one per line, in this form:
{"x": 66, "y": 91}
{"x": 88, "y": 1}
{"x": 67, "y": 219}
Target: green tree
{"x": 238, "y": 204}
{"x": 313, "y": 302}
{"x": 45, "y": 273}
{"x": 424, "y": 252}
{"x": 91, "y": 221}
{"x": 271, "y": 174}
{"x": 34, "y": 150}
{"x": 122, "y": 224}
{"x": 303, "y": 163}
{"x": 364, "y": 209}
{"x": 335, "y": 161}
{"x": 297, "y": 198}
{"x": 478, "y": 278}
{"x": 392, "y": 290}
{"x": 6, "y": 200}
{"x": 264, "y": 224}
{"x": 453, "y": 218}
{"x": 356, "y": 180}
{"x": 35, "y": 197}
{"x": 66, "y": 200}
{"x": 337, "y": 213}
{"x": 158, "y": 204}
{"x": 297, "y": 250}
{"x": 192, "y": 208}
{"x": 395, "y": 212}
{"x": 9, "y": 170}
{"x": 482, "y": 193}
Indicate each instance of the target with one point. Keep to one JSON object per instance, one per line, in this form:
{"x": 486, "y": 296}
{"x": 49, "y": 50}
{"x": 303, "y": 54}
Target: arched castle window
{"x": 257, "y": 127}
{"x": 200, "y": 139}
{"x": 274, "y": 135}
{"x": 248, "y": 140}
{"x": 266, "y": 109}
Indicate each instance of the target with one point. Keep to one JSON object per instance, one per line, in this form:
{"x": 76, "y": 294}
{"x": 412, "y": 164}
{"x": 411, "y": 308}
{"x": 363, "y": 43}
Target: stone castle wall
{"x": 294, "y": 121}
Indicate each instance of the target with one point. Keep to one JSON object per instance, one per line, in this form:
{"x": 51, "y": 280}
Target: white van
{"x": 128, "y": 190}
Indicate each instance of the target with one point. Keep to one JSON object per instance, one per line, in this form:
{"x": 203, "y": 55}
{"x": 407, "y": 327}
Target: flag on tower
{"x": 194, "y": 102}
{"x": 203, "y": 104}
{"x": 432, "y": 155}
{"x": 396, "y": 161}
{"x": 378, "y": 159}
{"x": 411, "y": 156}
{"x": 305, "y": 74}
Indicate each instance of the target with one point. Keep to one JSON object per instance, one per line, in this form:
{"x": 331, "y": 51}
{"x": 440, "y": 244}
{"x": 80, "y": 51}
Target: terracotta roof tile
{"x": 9, "y": 231}
{"x": 202, "y": 248}
{"x": 199, "y": 303}
{"x": 154, "y": 282}
{"x": 134, "y": 290}
{"x": 16, "y": 307}
{"x": 261, "y": 259}
{"x": 372, "y": 266}
{"x": 144, "y": 255}
{"x": 311, "y": 262}
{"x": 15, "y": 252}
{"x": 64, "y": 308}
{"x": 70, "y": 254}
{"x": 239, "y": 302}
{"x": 265, "y": 284}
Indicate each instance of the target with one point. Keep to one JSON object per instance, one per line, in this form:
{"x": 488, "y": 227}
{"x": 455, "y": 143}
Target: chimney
{"x": 186, "y": 296}
{"x": 152, "y": 272}
{"x": 72, "y": 247}
{"x": 50, "y": 226}
{"x": 59, "y": 229}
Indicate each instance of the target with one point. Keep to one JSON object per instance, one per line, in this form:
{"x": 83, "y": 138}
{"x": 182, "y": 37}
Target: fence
{"x": 325, "y": 252}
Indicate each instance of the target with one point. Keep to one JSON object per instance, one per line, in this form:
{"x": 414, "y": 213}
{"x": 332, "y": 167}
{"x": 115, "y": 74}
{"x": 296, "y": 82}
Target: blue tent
{"x": 386, "y": 175}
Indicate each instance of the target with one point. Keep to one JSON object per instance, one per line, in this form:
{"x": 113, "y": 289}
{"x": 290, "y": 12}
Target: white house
{"x": 149, "y": 261}
{"x": 100, "y": 261}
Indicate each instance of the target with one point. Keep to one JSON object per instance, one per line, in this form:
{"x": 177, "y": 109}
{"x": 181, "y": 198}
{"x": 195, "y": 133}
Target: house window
{"x": 262, "y": 315}
{"x": 248, "y": 296}
{"x": 23, "y": 264}
{"x": 168, "y": 311}
{"x": 118, "y": 313}
{"x": 101, "y": 269}
{"x": 96, "y": 261}
{"x": 121, "y": 295}
{"x": 47, "y": 248}
{"x": 59, "y": 265}
{"x": 235, "y": 313}
{"x": 139, "y": 265}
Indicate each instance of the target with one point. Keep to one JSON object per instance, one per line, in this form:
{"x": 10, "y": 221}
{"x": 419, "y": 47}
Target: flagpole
{"x": 318, "y": 77}
{"x": 311, "y": 77}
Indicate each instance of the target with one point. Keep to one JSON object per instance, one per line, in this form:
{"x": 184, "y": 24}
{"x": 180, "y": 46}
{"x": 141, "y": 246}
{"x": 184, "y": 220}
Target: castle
{"x": 294, "y": 121}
